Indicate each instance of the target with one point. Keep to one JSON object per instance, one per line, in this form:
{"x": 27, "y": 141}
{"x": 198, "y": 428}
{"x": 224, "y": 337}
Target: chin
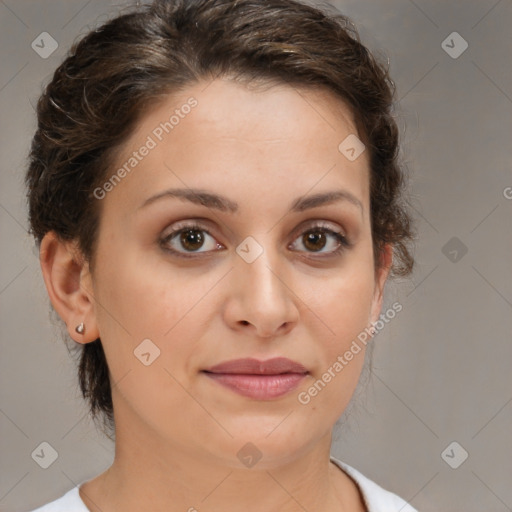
{"x": 264, "y": 443}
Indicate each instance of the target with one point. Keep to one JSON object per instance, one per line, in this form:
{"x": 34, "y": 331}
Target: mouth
{"x": 260, "y": 380}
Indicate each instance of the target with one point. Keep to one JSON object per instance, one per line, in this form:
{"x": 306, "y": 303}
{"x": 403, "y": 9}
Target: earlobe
{"x": 67, "y": 279}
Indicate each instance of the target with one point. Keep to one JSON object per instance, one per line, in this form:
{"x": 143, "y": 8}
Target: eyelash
{"x": 318, "y": 228}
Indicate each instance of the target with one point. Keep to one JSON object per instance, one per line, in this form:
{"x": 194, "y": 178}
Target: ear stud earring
{"x": 80, "y": 328}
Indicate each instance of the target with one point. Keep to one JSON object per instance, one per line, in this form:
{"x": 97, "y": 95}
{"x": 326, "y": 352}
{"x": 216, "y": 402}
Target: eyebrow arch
{"x": 222, "y": 203}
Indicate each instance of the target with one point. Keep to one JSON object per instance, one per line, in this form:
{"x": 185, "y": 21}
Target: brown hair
{"x": 109, "y": 78}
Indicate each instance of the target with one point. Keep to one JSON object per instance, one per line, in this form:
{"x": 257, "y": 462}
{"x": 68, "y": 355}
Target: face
{"x": 186, "y": 280}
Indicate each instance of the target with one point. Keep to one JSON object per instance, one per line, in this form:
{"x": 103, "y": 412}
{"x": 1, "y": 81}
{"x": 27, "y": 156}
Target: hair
{"x": 111, "y": 76}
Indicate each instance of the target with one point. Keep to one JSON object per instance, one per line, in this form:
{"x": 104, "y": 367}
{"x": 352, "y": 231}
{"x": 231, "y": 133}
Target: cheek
{"x": 141, "y": 296}
{"x": 344, "y": 304}
{"x": 138, "y": 304}
{"x": 345, "y": 307}
{"x": 139, "y": 300}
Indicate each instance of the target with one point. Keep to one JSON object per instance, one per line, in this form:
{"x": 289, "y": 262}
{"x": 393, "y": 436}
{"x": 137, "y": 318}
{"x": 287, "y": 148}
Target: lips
{"x": 261, "y": 380}
{"x": 275, "y": 366}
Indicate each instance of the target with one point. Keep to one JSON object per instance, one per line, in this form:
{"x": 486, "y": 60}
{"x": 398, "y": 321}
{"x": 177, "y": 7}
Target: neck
{"x": 149, "y": 473}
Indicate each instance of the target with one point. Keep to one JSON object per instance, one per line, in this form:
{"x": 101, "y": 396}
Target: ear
{"x": 381, "y": 275}
{"x": 69, "y": 285}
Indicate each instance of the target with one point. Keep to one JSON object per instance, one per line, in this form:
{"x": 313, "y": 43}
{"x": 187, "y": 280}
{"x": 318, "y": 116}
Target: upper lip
{"x": 251, "y": 366}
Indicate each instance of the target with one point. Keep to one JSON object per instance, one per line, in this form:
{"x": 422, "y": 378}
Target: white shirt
{"x": 375, "y": 497}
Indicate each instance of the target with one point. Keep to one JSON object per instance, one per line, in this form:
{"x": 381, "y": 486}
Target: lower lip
{"x": 260, "y": 387}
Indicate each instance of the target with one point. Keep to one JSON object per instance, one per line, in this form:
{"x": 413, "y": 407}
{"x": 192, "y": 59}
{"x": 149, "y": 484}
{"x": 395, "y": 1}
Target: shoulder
{"x": 68, "y": 502}
{"x": 375, "y": 497}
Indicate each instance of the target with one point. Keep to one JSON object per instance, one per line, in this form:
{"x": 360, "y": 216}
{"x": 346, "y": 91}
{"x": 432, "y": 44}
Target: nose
{"x": 260, "y": 299}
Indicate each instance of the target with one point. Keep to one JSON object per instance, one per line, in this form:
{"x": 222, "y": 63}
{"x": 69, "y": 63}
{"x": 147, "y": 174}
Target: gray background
{"x": 441, "y": 366}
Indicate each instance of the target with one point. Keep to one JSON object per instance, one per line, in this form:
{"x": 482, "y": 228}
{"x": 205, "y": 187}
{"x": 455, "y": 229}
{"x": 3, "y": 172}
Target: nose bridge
{"x": 266, "y": 300}
{"x": 259, "y": 266}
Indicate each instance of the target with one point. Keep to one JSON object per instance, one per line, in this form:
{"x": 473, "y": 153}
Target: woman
{"x": 215, "y": 192}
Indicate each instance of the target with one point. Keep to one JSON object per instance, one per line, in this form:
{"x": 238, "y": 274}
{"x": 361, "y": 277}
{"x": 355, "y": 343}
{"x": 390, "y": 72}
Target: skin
{"x": 177, "y": 431}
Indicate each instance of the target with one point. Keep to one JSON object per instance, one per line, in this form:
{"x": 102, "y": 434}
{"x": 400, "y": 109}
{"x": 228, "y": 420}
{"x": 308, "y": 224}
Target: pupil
{"x": 314, "y": 238}
{"x": 192, "y": 239}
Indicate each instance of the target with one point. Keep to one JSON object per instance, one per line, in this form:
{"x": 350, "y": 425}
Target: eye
{"x": 190, "y": 237}
{"x": 319, "y": 236}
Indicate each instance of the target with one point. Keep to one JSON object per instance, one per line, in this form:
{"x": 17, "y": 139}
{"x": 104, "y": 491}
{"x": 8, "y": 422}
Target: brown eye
{"x": 319, "y": 237}
{"x": 189, "y": 239}
{"x": 314, "y": 241}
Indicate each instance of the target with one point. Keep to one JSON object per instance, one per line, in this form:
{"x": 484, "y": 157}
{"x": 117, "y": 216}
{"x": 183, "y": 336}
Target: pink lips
{"x": 262, "y": 380}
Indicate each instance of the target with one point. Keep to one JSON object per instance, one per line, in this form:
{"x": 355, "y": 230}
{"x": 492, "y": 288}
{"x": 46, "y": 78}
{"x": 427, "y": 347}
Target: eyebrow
{"x": 224, "y": 204}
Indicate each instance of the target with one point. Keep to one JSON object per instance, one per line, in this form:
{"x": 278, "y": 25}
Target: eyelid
{"x": 319, "y": 223}
{"x": 304, "y": 227}
{"x": 187, "y": 224}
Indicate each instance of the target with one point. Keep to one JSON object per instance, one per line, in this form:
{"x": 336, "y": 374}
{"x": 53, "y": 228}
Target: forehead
{"x": 259, "y": 112}
{"x": 222, "y": 135}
